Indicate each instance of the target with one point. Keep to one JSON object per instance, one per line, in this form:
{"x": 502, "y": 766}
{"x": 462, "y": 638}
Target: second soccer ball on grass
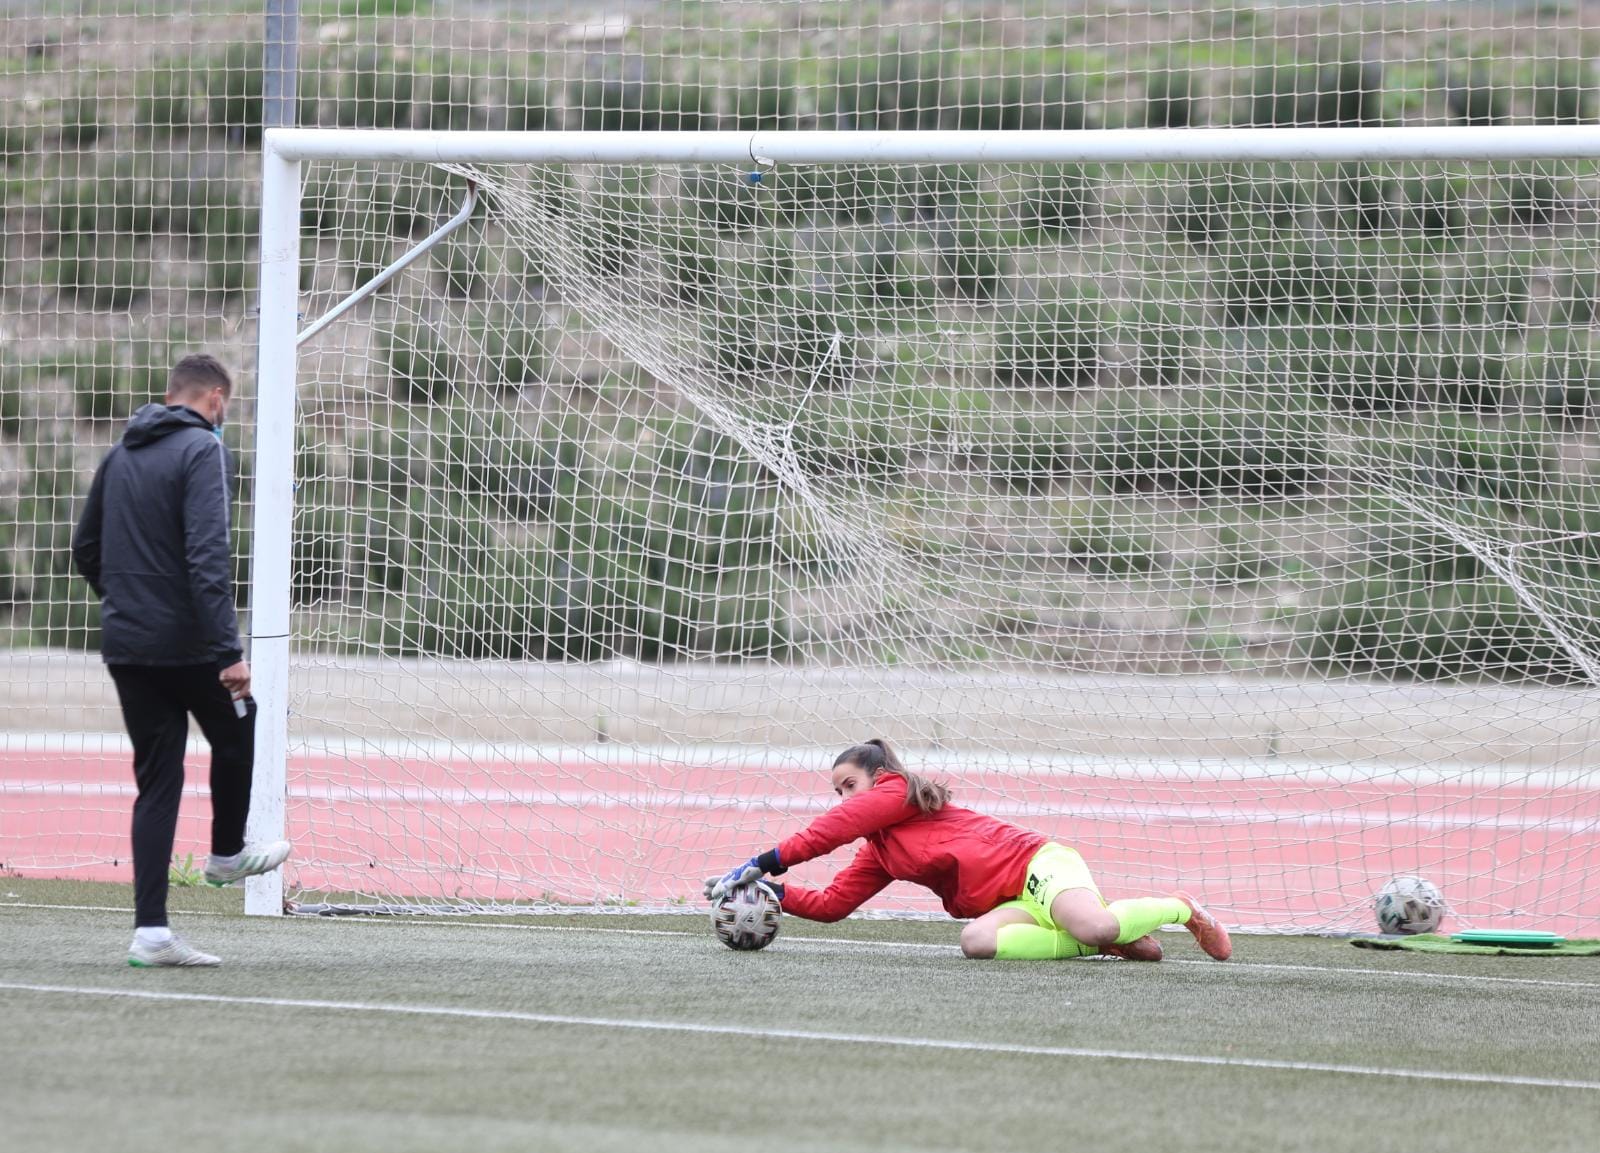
{"x": 1410, "y": 905}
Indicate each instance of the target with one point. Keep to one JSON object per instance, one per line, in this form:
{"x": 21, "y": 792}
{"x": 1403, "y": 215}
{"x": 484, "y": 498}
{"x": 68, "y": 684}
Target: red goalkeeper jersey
{"x": 971, "y": 861}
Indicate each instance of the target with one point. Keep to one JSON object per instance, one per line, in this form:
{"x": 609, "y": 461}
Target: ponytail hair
{"x": 875, "y": 756}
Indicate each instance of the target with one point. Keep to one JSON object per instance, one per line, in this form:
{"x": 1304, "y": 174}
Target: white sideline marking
{"x": 809, "y": 1035}
{"x": 436, "y": 923}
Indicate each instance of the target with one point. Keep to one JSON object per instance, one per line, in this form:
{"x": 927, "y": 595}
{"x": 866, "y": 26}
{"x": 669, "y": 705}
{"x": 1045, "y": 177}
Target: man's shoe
{"x": 1207, "y": 930}
{"x": 251, "y": 861}
{"x": 1146, "y": 948}
{"x": 174, "y": 952}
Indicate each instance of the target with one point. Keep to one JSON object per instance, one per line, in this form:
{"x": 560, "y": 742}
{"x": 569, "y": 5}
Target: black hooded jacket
{"x": 153, "y": 542}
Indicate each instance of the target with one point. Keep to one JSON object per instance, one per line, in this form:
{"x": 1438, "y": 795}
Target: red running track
{"x": 1265, "y": 851}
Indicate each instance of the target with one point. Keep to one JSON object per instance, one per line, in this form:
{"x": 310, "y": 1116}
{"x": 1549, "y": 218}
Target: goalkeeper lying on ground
{"x": 1031, "y": 899}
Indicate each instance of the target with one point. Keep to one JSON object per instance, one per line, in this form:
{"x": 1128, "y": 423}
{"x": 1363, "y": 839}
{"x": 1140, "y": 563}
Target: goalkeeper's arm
{"x": 854, "y": 885}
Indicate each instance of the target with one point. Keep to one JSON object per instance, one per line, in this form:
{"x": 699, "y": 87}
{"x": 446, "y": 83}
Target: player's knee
{"x": 1092, "y": 930}
{"x": 977, "y": 941}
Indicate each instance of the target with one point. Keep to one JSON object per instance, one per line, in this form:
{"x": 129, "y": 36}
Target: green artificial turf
{"x": 642, "y": 1033}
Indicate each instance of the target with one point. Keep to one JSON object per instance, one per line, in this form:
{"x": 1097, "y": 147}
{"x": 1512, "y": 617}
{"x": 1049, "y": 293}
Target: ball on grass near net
{"x": 1408, "y": 905}
{"x": 747, "y": 918}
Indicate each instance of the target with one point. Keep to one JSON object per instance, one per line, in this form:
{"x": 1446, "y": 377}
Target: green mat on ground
{"x": 1439, "y": 943}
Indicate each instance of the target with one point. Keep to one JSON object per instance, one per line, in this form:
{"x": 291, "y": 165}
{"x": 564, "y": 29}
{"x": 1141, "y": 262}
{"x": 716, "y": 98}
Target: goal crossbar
{"x": 1129, "y": 145}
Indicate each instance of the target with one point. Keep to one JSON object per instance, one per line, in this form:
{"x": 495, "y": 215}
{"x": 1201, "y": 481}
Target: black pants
{"x": 156, "y": 703}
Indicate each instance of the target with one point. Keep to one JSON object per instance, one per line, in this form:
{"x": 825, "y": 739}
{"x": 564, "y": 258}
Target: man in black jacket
{"x": 153, "y": 541}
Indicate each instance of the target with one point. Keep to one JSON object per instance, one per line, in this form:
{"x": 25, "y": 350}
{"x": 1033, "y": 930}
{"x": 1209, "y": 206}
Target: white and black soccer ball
{"x": 1410, "y": 905}
{"x": 747, "y": 918}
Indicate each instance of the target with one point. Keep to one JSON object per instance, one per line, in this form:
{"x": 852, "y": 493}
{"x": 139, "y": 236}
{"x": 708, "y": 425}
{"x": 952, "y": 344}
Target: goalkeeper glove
{"x": 739, "y": 876}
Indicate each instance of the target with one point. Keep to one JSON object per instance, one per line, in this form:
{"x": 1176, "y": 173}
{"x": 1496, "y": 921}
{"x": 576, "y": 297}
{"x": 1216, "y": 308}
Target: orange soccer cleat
{"x": 1207, "y": 930}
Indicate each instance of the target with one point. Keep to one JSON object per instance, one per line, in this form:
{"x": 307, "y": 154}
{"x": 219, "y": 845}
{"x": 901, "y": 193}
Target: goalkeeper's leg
{"x": 1058, "y": 914}
{"x": 1124, "y": 924}
{"x": 1011, "y": 932}
{"x": 1061, "y": 882}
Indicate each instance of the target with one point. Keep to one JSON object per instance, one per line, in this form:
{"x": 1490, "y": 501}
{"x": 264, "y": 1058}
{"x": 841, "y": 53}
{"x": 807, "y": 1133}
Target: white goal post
{"x": 1492, "y": 755}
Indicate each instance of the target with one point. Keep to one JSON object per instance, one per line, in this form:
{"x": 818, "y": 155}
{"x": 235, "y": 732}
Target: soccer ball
{"x": 747, "y": 918}
{"x": 1410, "y": 905}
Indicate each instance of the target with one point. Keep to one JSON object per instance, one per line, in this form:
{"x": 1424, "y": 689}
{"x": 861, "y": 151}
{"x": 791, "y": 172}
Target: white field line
{"x": 664, "y": 800}
{"x": 811, "y": 763}
{"x": 847, "y": 942}
{"x": 103, "y": 909}
{"x": 747, "y": 1031}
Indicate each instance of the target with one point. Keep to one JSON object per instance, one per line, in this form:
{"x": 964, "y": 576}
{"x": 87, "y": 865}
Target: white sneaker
{"x": 252, "y": 860}
{"x": 172, "y": 953}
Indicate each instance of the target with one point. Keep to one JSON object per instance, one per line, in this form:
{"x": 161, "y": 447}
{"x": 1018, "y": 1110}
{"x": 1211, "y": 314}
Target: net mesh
{"x": 1232, "y": 523}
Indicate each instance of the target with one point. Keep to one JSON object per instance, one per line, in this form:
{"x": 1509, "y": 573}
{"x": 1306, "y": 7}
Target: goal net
{"x": 1235, "y": 523}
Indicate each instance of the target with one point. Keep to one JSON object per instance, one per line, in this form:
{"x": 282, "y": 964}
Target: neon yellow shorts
{"x": 1053, "y": 870}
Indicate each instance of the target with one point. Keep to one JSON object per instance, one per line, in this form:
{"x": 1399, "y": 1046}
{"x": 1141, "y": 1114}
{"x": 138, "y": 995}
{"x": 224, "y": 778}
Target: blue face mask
{"x": 216, "y": 431}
